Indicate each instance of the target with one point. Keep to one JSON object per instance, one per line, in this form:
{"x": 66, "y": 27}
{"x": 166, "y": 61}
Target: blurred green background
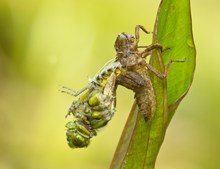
{"x": 47, "y": 43}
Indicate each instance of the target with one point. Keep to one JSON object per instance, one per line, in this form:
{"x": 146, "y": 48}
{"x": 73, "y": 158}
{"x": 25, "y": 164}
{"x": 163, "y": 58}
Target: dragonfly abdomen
{"x": 101, "y": 78}
{"x": 145, "y": 100}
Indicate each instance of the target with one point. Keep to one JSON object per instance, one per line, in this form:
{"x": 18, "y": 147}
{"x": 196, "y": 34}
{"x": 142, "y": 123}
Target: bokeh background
{"x": 47, "y": 43}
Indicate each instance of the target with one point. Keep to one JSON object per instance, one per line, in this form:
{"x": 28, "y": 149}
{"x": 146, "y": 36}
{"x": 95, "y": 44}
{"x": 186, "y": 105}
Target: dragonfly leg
{"x": 159, "y": 74}
{"x": 73, "y": 92}
{"x": 148, "y": 50}
{"x": 82, "y": 90}
{"x": 137, "y": 34}
{"x": 65, "y": 87}
{"x": 72, "y": 107}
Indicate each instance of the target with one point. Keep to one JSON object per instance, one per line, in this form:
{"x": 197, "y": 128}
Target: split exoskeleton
{"x": 95, "y": 108}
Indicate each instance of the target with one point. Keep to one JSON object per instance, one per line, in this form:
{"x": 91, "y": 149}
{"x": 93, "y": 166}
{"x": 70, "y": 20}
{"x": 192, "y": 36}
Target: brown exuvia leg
{"x": 162, "y": 75}
{"x": 149, "y": 49}
{"x": 137, "y": 34}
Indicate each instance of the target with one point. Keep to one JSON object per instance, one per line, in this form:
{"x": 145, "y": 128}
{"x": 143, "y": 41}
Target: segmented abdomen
{"x": 101, "y": 78}
{"x": 145, "y": 100}
{"x": 139, "y": 81}
{"x": 145, "y": 96}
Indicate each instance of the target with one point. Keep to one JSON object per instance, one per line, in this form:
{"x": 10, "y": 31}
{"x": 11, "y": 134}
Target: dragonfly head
{"x": 125, "y": 42}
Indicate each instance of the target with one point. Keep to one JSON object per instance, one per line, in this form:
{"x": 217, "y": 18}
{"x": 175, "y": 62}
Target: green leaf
{"x": 140, "y": 142}
{"x": 175, "y": 32}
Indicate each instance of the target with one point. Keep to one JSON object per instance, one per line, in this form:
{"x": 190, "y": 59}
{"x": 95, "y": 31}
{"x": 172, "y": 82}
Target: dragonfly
{"x": 95, "y": 108}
